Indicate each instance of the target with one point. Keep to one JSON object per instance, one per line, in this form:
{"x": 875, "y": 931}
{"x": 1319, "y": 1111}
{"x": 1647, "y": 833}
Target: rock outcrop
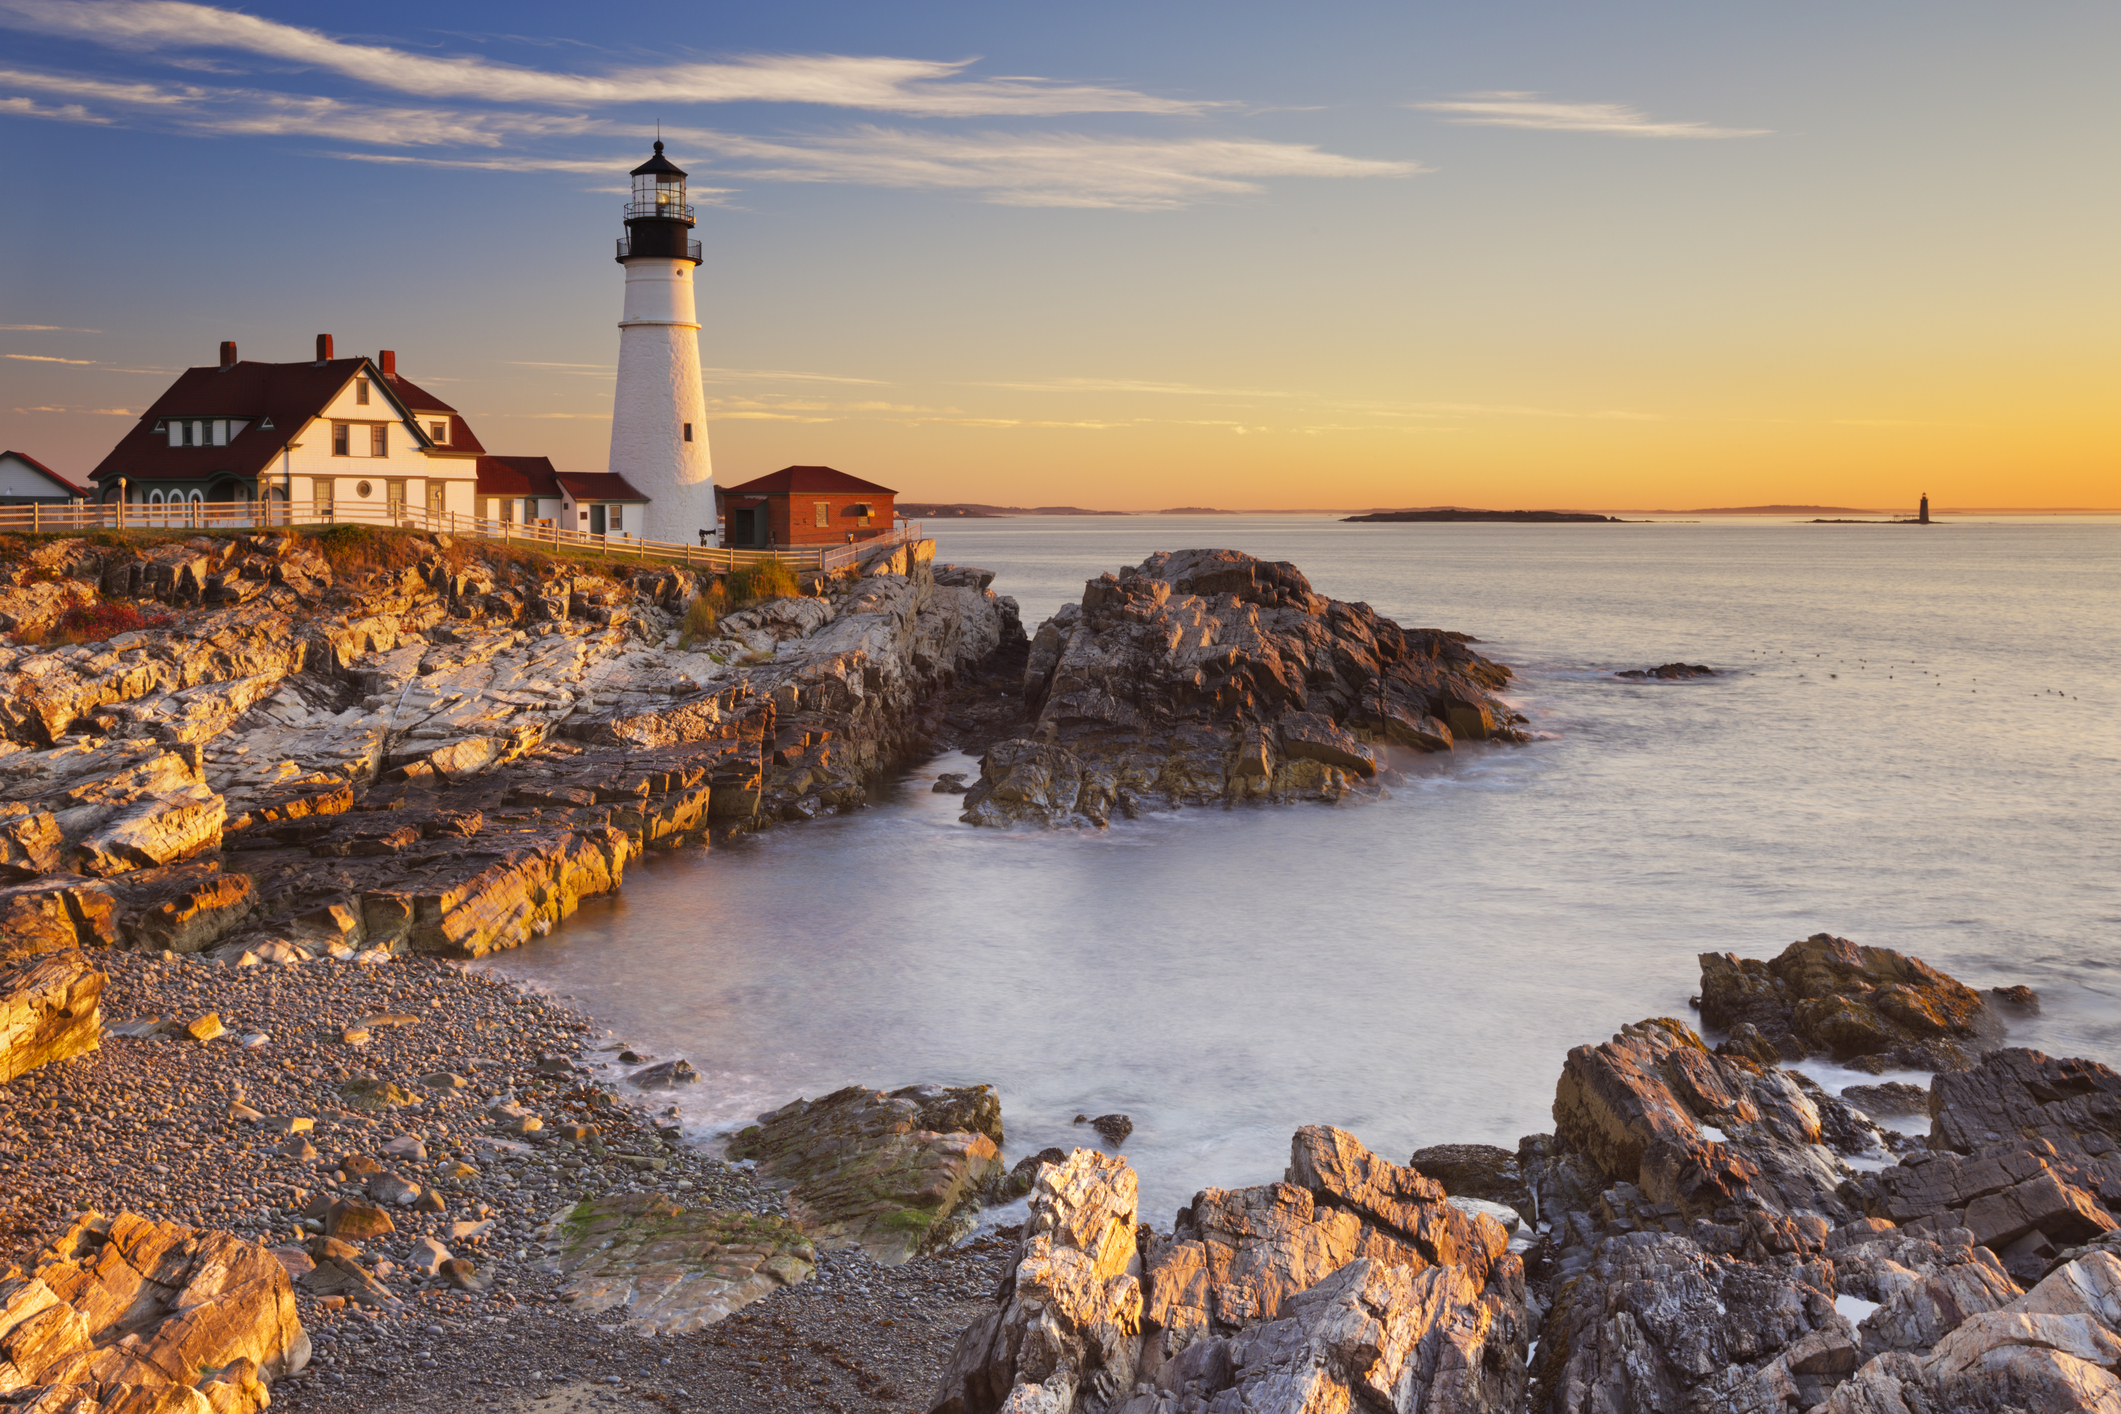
{"x": 125, "y": 1313}
{"x": 894, "y": 1174}
{"x": 372, "y": 741}
{"x": 1207, "y": 676}
{"x": 1353, "y": 1283}
{"x": 1868, "y": 1007}
{"x": 51, "y": 1008}
{"x": 667, "y": 1267}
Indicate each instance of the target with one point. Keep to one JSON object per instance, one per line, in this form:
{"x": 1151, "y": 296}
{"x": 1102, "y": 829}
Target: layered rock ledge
{"x": 358, "y": 741}
{"x": 1206, "y": 676}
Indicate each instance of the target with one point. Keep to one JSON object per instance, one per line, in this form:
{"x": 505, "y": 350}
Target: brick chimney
{"x": 324, "y": 348}
{"x": 228, "y": 353}
{"x": 388, "y": 359}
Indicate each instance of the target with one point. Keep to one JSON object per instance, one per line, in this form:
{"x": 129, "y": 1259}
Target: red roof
{"x": 461, "y": 438}
{"x": 286, "y": 394}
{"x": 807, "y": 480}
{"x": 517, "y": 476}
{"x": 599, "y": 486}
{"x": 57, "y": 479}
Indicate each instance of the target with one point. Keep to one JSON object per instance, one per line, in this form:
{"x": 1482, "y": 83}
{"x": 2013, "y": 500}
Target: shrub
{"x": 702, "y": 614}
{"x": 92, "y": 623}
{"x": 768, "y": 579}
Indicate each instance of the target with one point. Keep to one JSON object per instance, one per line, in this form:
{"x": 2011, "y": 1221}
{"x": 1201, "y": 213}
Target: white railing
{"x": 245, "y": 515}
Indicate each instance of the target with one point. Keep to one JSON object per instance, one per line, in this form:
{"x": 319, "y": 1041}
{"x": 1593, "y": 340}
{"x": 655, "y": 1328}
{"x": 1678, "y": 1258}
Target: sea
{"x": 1911, "y": 740}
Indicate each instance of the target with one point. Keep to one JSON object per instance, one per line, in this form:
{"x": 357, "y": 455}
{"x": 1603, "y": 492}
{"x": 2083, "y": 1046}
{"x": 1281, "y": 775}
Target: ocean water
{"x": 1913, "y": 742}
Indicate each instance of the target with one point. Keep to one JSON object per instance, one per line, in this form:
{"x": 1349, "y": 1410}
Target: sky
{"x": 1123, "y": 256}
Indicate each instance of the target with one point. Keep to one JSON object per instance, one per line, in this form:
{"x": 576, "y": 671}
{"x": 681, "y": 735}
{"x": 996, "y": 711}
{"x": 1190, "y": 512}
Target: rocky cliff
{"x": 351, "y": 740}
{"x": 1207, "y": 676}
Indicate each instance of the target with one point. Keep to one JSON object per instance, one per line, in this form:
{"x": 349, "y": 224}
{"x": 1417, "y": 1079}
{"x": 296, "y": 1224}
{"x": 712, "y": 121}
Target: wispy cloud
{"x": 789, "y": 374}
{"x": 44, "y": 329}
{"x": 64, "y": 113}
{"x": 923, "y": 87}
{"x": 99, "y": 412}
{"x": 1514, "y": 109}
{"x": 1131, "y": 385}
{"x": 47, "y": 358}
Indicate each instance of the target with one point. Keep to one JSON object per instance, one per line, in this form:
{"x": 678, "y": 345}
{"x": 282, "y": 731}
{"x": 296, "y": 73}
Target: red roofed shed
{"x": 803, "y": 505}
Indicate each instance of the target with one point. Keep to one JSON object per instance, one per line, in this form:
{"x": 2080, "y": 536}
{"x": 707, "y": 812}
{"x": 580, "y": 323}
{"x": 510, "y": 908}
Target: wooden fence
{"x": 245, "y": 515}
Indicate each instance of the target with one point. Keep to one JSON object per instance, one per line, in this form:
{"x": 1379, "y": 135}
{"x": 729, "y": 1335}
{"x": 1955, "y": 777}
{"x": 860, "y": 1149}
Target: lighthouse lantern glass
{"x": 656, "y": 191}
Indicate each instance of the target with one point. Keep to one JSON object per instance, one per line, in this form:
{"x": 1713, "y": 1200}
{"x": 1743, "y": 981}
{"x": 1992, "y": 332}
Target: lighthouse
{"x": 658, "y": 410}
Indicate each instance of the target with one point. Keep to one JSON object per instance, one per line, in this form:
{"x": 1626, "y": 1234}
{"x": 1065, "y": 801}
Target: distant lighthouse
{"x": 659, "y": 411}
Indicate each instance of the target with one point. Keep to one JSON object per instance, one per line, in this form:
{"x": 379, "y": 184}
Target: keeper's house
{"x": 25, "y": 481}
{"x": 803, "y": 505}
{"x": 527, "y": 491}
{"x": 331, "y": 434}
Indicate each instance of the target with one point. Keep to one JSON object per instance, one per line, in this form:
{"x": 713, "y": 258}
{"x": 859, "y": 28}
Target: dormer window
{"x": 360, "y": 391}
{"x": 438, "y": 433}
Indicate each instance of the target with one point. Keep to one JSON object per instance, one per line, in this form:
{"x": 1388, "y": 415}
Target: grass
{"x": 768, "y": 579}
{"x": 702, "y": 615}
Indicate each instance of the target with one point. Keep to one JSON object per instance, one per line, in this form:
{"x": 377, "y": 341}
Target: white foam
{"x": 1854, "y": 1307}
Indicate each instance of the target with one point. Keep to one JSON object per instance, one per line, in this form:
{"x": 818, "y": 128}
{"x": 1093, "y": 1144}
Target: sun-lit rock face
{"x": 1207, "y": 675}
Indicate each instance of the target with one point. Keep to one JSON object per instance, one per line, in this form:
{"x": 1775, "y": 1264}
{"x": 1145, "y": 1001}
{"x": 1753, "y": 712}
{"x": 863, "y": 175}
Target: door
{"x": 596, "y": 520}
{"x": 436, "y": 502}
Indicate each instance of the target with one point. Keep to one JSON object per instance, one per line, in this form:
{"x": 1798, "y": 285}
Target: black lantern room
{"x": 658, "y": 222}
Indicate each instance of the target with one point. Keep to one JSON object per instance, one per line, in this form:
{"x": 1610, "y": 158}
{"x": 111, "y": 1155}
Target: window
{"x": 688, "y": 432}
{"x": 824, "y": 514}
{"x": 339, "y": 435}
{"x": 176, "y": 434}
{"x": 323, "y": 495}
{"x": 530, "y": 509}
{"x": 394, "y": 498}
{"x": 618, "y": 520}
{"x": 221, "y": 432}
{"x": 198, "y": 434}
{"x": 360, "y": 391}
{"x": 435, "y": 497}
{"x": 508, "y": 510}
{"x": 379, "y": 440}
{"x": 438, "y": 433}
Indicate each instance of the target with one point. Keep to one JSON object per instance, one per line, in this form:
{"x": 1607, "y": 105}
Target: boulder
{"x": 137, "y": 1314}
{"x": 668, "y": 1267}
{"x": 1205, "y": 676}
{"x": 894, "y": 1174}
{"x": 51, "y": 1008}
{"x": 1353, "y": 1283}
{"x": 1827, "y": 995}
{"x": 1655, "y": 1108}
{"x": 2014, "y": 1093}
{"x": 1476, "y": 1171}
{"x": 55, "y": 914}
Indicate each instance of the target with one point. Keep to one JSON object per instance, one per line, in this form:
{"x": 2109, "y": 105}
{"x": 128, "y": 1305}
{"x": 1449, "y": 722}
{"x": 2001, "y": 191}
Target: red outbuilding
{"x": 803, "y": 505}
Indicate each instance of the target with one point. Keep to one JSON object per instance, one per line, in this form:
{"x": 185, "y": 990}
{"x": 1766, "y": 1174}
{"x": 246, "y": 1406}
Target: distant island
{"x": 1458, "y": 513}
{"x": 1197, "y": 511}
{"x": 938, "y": 510}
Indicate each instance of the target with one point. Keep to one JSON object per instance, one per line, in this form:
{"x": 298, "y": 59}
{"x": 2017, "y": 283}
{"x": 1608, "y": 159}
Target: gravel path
{"x": 163, "y": 1126}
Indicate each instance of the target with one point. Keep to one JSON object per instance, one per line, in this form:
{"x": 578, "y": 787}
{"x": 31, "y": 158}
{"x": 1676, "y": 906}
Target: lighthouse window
{"x": 379, "y": 440}
{"x": 339, "y": 435}
{"x": 688, "y": 432}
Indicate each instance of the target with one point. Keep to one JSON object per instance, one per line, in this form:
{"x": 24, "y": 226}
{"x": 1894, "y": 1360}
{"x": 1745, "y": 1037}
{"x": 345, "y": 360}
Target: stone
{"x": 391, "y": 1190}
{"x": 1668, "y": 672}
{"x": 291, "y": 1124}
{"x": 666, "y": 1076}
{"x": 1893, "y": 1099}
{"x": 193, "y": 913}
{"x": 369, "y": 1093}
{"x": 204, "y": 1028}
{"x": 1641, "y": 1107}
{"x": 1475, "y": 1171}
{"x": 670, "y": 1268}
{"x": 1828, "y": 995}
{"x": 51, "y": 1009}
{"x": 1113, "y": 1129}
{"x": 56, "y": 915}
{"x": 893, "y": 1174}
{"x": 406, "y": 1146}
{"x": 2015, "y": 1093}
{"x": 356, "y": 1221}
{"x": 1208, "y": 676}
{"x": 465, "y": 1276}
{"x": 427, "y": 1256}
{"x": 122, "y": 1313}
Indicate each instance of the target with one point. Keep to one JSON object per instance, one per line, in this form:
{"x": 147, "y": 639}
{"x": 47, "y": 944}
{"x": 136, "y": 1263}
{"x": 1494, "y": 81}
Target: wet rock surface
{"x": 1668, "y": 672}
{"x": 894, "y": 1174}
{"x": 1208, "y": 676}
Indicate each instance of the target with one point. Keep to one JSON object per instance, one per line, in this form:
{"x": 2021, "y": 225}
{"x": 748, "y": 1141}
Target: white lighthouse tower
{"x": 659, "y": 411}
